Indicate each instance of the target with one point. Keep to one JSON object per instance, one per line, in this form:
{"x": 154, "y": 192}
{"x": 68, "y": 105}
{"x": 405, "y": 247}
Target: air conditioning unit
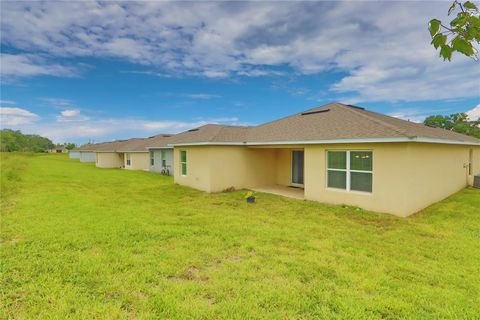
{"x": 476, "y": 181}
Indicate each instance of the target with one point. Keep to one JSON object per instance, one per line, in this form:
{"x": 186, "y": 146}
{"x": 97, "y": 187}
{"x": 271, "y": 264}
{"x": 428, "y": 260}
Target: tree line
{"x": 457, "y": 122}
{"x": 15, "y": 140}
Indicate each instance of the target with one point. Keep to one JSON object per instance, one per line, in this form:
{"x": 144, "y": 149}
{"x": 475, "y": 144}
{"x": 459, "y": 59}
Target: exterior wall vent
{"x": 192, "y": 130}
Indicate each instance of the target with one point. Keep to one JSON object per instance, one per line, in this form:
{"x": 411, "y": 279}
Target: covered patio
{"x": 285, "y": 191}
{"x": 283, "y": 170}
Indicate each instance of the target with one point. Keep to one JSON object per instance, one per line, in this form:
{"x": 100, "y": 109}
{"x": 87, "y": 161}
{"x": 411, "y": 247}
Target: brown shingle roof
{"x": 338, "y": 121}
{"x": 207, "y": 133}
{"x": 141, "y": 144}
{"x": 334, "y": 121}
{"x": 111, "y": 146}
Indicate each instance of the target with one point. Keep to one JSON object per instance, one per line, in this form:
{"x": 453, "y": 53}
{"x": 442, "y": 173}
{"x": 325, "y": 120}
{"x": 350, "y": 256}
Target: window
{"x": 164, "y": 158}
{"x": 152, "y": 159}
{"x": 183, "y": 162}
{"x": 128, "y": 159}
{"x": 350, "y": 170}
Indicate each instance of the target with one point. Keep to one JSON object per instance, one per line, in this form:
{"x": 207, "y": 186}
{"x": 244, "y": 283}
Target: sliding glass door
{"x": 297, "y": 168}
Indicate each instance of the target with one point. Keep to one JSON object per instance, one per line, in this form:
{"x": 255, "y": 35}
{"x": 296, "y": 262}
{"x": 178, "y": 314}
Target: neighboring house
{"x": 87, "y": 153}
{"x": 161, "y": 155}
{"x": 130, "y": 154}
{"x": 58, "y": 149}
{"x": 74, "y": 153}
{"x": 135, "y": 155}
{"x": 335, "y": 153}
{"x": 107, "y": 155}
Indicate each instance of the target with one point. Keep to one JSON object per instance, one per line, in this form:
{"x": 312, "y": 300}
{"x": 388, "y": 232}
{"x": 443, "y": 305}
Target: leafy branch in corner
{"x": 462, "y": 34}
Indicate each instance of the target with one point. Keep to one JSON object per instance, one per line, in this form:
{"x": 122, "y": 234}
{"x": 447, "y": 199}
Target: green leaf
{"x": 459, "y": 21}
{"x": 439, "y": 40}
{"x": 434, "y": 26}
{"x": 472, "y": 31}
{"x": 452, "y": 8}
{"x": 470, "y": 6}
{"x": 474, "y": 21}
{"x": 446, "y": 52}
{"x": 461, "y": 45}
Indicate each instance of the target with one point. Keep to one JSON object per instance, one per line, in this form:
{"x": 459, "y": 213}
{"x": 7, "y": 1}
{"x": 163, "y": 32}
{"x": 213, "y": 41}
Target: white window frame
{"x": 348, "y": 171}
{"x": 128, "y": 160}
{"x": 163, "y": 158}
{"x": 152, "y": 158}
{"x": 183, "y": 163}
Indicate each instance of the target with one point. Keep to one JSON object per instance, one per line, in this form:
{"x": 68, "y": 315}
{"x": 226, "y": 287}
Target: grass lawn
{"x": 82, "y": 242}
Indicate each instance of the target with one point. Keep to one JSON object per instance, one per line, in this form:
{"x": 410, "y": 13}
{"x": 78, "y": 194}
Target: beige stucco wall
{"x": 214, "y": 169}
{"x": 436, "y": 171}
{"x": 389, "y": 188}
{"x": 138, "y": 161}
{"x": 406, "y": 176}
{"x": 198, "y": 168}
{"x": 109, "y": 160}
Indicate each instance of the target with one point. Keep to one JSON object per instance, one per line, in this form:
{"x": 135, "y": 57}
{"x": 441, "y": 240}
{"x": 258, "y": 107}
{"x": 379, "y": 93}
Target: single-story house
{"x": 58, "y": 149}
{"x": 107, "y": 155}
{"x": 74, "y": 153}
{"x": 161, "y": 154}
{"x": 135, "y": 155}
{"x": 87, "y": 153}
{"x": 130, "y": 154}
{"x": 336, "y": 153}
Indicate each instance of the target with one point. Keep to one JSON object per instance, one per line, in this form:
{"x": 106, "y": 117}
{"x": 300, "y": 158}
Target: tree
{"x": 457, "y": 122}
{"x": 11, "y": 140}
{"x": 461, "y": 35}
{"x": 70, "y": 146}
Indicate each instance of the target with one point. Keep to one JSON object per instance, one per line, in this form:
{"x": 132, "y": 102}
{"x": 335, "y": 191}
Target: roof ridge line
{"x": 386, "y": 124}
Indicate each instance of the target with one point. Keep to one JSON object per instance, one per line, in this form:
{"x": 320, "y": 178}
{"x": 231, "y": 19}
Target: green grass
{"x": 81, "y": 242}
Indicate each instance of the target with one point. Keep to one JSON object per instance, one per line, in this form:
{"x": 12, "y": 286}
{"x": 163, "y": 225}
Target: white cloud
{"x": 7, "y": 102}
{"x": 474, "y": 114}
{"x": 67, "y": 129}
{"x": 381, "y": 49}
{"x": 201, "y": 96}
{"x": 17, "y": 66}
{"x": 57, "y": 102}
{"x": 16, "y": 117}
{"x": 71, "y": 115}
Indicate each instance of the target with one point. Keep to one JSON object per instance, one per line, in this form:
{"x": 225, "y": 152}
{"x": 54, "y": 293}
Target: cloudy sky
{"x": 79, "y": 71}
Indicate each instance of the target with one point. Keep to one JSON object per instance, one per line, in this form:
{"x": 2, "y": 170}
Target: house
{"x": 107, "y": 155}
{"x": 161, "y": 154}
{"x": 58, "y": 149}
{"x": 86, "y": 153}
{"x": 135, "y": 155}
{"x": 74, "y": 153}
{"x": 336, "y": 153}
{"x": 130, "y": 154}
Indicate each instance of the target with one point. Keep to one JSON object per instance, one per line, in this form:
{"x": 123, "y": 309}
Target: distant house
{"x": 87, "y": 152}
{"x": 335, "y": 153}
{"x": 74, "y": 153}
{"x": 135, "y": 155}
{"x": 58, "y": 149}
{"x": 107, "y": 155}
{"x": 161, "y": 154}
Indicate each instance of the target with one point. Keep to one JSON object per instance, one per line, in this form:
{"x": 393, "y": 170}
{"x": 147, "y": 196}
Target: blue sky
{"x": 84, "y": 71}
